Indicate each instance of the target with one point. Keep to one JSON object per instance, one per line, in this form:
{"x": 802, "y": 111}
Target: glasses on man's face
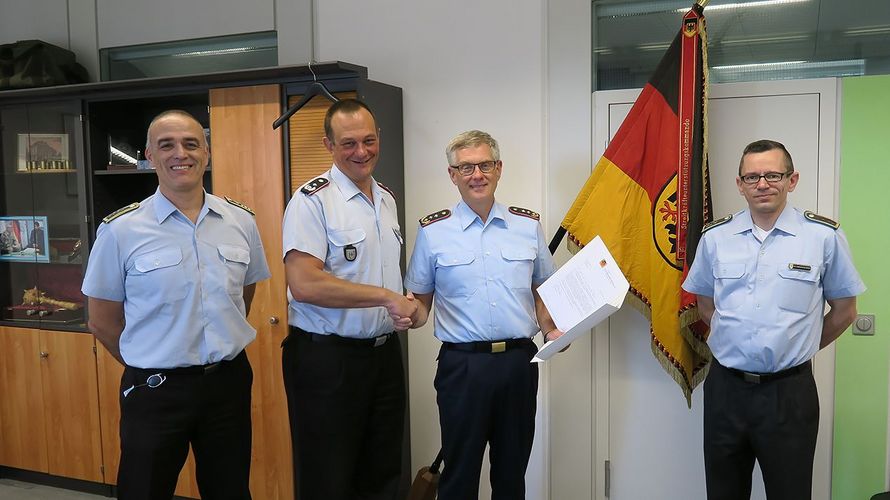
{"x": 769, "y": 176}
{"x": 467, "y": 169}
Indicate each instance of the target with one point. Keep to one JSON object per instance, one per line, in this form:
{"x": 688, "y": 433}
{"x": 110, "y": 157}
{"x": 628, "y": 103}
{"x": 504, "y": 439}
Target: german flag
{"x": 649, "y": 196}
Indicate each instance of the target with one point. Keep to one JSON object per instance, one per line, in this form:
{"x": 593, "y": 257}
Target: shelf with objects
{"x": 42, "y": 229}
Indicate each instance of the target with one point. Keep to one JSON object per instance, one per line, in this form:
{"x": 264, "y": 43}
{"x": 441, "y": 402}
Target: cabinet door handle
{"x": 273, "y": 320}
{"x": 44, "y": 354}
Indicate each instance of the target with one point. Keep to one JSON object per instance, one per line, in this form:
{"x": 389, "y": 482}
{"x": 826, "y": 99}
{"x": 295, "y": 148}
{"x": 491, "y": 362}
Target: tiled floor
{"x": 17, "y": 490}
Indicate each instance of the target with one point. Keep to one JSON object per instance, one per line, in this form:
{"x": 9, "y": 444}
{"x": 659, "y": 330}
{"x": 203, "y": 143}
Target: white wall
{"x": 131, "y": 22}
{"x": 70, "y": 24}
{"x": 45, "y": 20}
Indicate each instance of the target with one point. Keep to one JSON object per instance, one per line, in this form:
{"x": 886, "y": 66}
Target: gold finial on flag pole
{"x": 702, "y": 3}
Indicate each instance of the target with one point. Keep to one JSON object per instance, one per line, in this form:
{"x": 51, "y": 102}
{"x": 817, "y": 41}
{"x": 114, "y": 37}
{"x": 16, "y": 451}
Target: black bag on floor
{"x": 35, "y": 63}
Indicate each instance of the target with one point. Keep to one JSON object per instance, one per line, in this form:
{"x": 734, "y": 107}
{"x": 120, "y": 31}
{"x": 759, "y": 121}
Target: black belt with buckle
{"x": 337, "y": 339}
{"x": 188, "y": 370}
{"x": 490, "y": 347}
{"x": 759, "y": 378}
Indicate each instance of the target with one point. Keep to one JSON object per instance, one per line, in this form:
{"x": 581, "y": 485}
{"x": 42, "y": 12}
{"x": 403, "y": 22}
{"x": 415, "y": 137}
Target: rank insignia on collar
{"x": 350, "y": 252}
{"x": 120, "y": 211}
{"x": 524, "y": 212}
{"x": 435, "y": 217}
{"x": 387, "y": 189}
{"x": 715, "y": 223}
{"x": 814, "y": 217}
{"x": 240, "y": 205}
{"x": 314, "y": 186}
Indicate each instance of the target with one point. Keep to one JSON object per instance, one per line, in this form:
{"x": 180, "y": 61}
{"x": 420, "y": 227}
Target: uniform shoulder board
{"x": 435, "y": 217}
{"x": 388, "y": 190}
{"x": 715, "y": 223}
{"x": 524, "y": 212}
{"x": 314, "y": 186}
{"x": 120, "y": 211}
{"x": 814, "y": 217}
{"x": 240, "y": 205}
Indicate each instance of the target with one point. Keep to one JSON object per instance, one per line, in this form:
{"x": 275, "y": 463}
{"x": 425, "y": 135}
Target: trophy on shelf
{"x": 37, "y": 304}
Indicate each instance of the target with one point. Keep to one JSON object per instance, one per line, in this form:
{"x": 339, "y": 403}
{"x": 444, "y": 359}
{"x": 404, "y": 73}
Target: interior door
{"x": 248, "y": 167}
{"x": 71, "y": 405}
{"x": 651, "y": 440}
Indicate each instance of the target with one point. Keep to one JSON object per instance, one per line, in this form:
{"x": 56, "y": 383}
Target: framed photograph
{"x": 38, "y": 152}
{"x": 24, "y": 239}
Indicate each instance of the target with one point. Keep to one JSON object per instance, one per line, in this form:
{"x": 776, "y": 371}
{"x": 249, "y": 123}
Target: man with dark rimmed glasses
{"x": 762, "y": 277}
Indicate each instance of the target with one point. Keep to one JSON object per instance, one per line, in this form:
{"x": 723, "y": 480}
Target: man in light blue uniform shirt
{"x": 482, "y": 262}
{"x": 342, "y": 361}
{"x": 170, "y": 281}
{"x": 762, "y": 277}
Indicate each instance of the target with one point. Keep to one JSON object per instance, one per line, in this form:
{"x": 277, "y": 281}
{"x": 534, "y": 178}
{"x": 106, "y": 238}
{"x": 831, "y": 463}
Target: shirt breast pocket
{"x": 798, "y": 288}
{"x": 236, "y": 260}
{"x": 519, "y": 263}
{"x": 158, "y": 274}
{"x": 454, "y": 274}
{"x": 729, "y": 285}
{"x": 346, "y": 251}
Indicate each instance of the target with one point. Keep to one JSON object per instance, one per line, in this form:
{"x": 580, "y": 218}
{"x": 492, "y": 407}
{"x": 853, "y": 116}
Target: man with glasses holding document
{"x": 762, "y": 277}
{"x": 482, "y": 261}
{"x": 170, "y": 281}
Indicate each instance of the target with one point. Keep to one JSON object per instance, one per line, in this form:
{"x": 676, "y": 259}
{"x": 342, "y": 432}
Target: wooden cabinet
{"x": 22, "y": 427}
{"x": 49, "y": 412}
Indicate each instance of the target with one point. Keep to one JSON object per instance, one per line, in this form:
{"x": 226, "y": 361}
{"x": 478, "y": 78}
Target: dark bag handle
{"x": 434, "y": 468}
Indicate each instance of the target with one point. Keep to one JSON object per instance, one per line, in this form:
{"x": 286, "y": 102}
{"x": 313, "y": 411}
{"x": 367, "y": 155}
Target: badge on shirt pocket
{"x": 350, "y": 252}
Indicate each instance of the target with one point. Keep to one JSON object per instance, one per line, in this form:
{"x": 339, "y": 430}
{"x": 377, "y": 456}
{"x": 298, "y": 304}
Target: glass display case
{"x": 42, "y": 222}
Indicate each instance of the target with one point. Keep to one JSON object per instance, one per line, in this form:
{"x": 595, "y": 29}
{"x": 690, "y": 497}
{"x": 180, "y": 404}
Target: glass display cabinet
{"x": 42, "y": 224}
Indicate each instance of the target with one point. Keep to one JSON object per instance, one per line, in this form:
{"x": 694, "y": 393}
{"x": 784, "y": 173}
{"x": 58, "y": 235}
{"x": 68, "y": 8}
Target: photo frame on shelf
{"x": 24, "y": 239}
{"x": 43, "y": 152}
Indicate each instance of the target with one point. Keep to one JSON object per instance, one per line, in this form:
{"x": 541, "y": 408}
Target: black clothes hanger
{"x": 317, "y": 88}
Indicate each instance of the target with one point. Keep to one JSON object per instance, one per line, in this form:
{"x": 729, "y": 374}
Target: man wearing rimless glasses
{"x": 483, "y": 262}
{"x": 762, "y": 277}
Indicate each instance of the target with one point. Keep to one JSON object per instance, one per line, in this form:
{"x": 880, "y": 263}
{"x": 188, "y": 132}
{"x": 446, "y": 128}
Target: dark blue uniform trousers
{"x": 486, "y": 398}
{"x": 208, "y": 407}
{"x": 774, "y": 422}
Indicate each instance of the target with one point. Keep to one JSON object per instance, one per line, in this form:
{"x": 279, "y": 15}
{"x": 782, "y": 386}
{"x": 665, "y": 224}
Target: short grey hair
{"x": 469, "y": 139}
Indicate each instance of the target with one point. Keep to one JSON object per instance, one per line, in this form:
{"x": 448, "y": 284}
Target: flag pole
{"x": 561, "y": 231}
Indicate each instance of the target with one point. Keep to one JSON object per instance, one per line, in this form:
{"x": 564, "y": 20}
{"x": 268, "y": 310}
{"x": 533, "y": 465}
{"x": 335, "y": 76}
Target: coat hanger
{"x": 316, "y": 88}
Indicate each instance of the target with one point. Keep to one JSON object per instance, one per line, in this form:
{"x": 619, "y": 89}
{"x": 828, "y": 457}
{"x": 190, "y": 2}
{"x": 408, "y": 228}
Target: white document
{"x": 581, "y": 294}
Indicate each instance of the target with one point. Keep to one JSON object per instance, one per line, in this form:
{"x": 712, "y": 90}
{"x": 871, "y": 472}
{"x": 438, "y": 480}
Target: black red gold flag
{"x": 649, "y": 196}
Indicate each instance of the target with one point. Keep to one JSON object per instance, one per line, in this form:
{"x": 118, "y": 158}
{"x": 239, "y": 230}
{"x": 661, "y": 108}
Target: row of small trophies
{"x": 40, "y": 165}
